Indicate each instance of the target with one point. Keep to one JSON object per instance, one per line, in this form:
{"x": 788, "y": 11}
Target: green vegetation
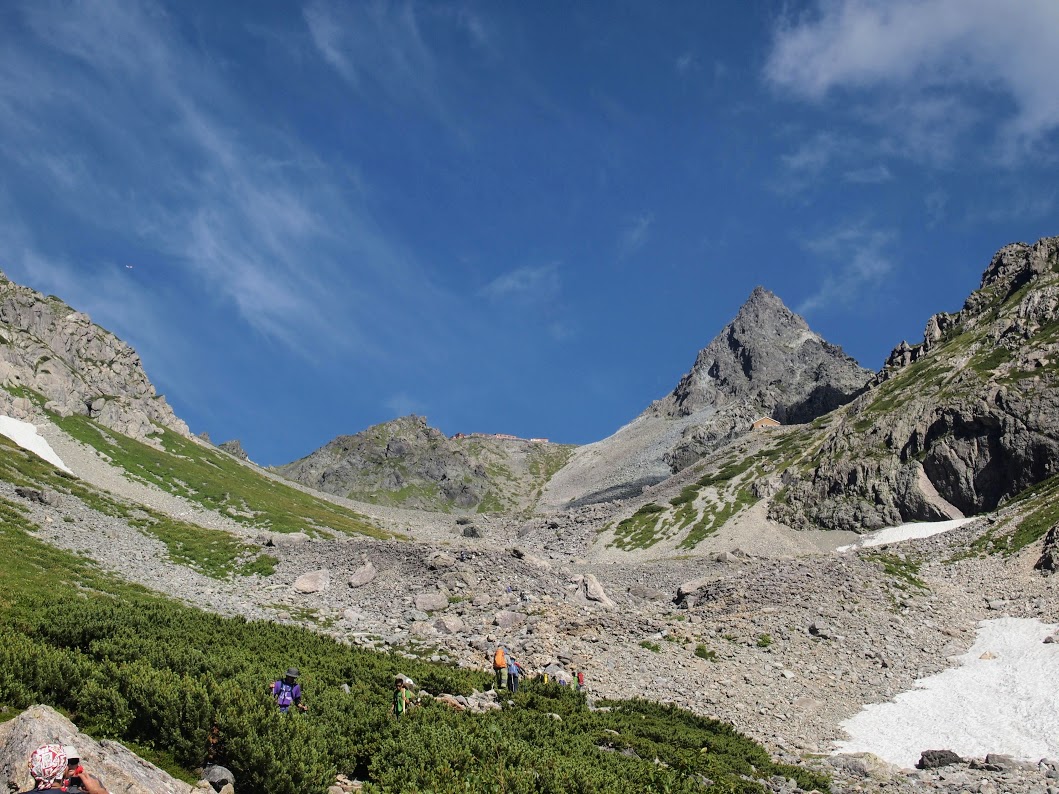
{"x": 654, "y": 647}
{"x": 189, "y": 688}
{"x": 1041, "y": 503}
{"x": 902, "y": 569}
{"x": 764, "y": 640}
{"x": 711, "y": 522}
{"x": 640, "y": 530}
{"x": 214, "y": 480}
{"x": 705, "y": 653}
{"x": 209, "y": 551}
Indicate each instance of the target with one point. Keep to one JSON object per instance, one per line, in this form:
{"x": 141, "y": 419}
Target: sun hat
{"x": 292, "y": 672}
{"x": 71, "y": 752}
{"x": 47, "y": 764}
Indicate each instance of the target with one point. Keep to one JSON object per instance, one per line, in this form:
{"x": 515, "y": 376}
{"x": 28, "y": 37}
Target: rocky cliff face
{"x": 956, "y": 424}
{"x": 77, "y": 366}
{"x": 766, "y": 362}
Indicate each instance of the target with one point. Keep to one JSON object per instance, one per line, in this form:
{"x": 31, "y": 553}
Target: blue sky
{"x": 508, "y": 217}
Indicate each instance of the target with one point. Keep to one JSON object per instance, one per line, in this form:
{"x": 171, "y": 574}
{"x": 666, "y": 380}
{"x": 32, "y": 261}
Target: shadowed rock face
{"x": 79, "y": 367}
{"x": 956, "y": 424}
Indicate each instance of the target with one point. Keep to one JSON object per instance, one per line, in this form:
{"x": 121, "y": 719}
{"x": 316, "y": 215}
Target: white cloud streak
{"x": 526, "y": 285}
{"x": 928, "y": 53}
{"x": 142, "y": 137}
{"x": 855, "y": 259}
{"x": 635, "y": 235}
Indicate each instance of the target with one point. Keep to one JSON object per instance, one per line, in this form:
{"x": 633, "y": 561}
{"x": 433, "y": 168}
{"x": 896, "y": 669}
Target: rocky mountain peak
{"x": 768, "y": 356}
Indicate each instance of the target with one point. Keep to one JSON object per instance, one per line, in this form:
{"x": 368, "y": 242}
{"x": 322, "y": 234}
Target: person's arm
{"x": 297, "y": 694}
{"x": 90, "y": 783}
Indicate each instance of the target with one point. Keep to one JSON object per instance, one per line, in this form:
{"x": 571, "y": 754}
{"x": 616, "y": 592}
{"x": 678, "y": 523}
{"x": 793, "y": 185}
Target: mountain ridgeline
{"x": 955, "y": 425}
{"x": 77, "y": 367}
{"x": 406, "y": 463}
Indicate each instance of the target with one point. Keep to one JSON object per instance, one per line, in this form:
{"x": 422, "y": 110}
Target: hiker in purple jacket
{"x": 288, "y": 692}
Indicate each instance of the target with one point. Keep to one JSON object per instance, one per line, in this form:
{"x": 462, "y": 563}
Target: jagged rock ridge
{"x": 79, "y": 367}
{"x": 403, "y": 461}
{"x": 408, "y": 463}
{"x": 956, "y": 424}
{"x": 766, "y": 362}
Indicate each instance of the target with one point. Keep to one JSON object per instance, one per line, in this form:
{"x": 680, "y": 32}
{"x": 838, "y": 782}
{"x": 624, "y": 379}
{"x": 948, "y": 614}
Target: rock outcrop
{"x": 404, "y": 461}
{"x": 78, "y": 367}
{"x": 116, "y": 767}
{"x": 954, "y": 425}
{"x": 407, "y": 463}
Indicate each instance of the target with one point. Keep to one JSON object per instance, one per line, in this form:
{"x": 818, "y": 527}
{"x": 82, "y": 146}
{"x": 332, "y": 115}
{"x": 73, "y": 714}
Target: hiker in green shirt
{"x": 402, "y": 698}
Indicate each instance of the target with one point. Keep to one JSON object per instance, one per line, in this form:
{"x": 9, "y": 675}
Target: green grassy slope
{"x": 214, "y": 480}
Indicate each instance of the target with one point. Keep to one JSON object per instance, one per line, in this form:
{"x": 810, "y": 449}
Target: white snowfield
{"x": 1002, "y": 699}
{"x": 25, "y": 435}
{"x": 918, "y": 529}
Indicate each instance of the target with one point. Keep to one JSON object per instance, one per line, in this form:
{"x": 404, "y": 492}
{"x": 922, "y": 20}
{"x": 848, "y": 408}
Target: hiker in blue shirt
{"x": 288, "y": 692}
{"x": 514, "y": 673}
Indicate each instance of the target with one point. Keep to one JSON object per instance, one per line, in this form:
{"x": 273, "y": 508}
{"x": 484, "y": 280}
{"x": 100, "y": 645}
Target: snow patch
{"x": 916, "y": 529}
{"x": 25, "y": 435}
{"x": 1002, "y": 699}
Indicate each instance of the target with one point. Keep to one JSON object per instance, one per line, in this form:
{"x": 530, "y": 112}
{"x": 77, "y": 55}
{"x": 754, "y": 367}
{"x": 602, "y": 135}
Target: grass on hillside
{"x": 216, "y": 481}
{"x": 1012, "y": 535}
{"x": 191, "y": 687}
{"x": 211, "y": 552}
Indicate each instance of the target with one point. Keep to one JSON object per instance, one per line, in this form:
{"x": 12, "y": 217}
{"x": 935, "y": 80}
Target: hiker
{"x": 401, "y": 697}
{"x": 580, "y": 677}
{"x": 50, "y": 768}
{"x": 514, "y": 673}
{"x": 500, "y": 667}
{"x": 287, "y": 691}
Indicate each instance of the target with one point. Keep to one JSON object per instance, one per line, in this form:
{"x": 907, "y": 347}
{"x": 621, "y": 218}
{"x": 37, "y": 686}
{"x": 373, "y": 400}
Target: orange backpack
{"x": 499, "y": 659}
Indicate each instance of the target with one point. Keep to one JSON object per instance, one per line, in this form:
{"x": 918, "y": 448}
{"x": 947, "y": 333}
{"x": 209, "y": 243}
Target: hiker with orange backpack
{"x": 500, "y": 667}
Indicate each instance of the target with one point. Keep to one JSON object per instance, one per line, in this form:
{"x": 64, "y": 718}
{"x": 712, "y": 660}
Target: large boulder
{"x": 365, "y": 574}
{"x": 120, "y": 771}
{"x": 432, "y": 602}
{"x": 313, "y": 582}
{"x": 590, "y": 592}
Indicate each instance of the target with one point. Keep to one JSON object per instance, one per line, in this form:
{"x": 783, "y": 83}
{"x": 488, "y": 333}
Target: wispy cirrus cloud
{"x": 635, "y": 235}
{"x": 854, "y": 258}
{"x": 870, "y": 175}
{"x": 381, "y": 46}
{"x": 935, "y": 57}
{"x": 526, "y": 285}
{"x": 131, "y": 131}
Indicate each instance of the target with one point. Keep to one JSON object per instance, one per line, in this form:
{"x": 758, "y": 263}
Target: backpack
{"x": 284, "y": 694}
{"x": 499, "y": 660}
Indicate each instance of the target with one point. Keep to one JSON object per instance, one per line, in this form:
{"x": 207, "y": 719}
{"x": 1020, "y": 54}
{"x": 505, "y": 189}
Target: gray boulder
{"x": 434, "y": 601}
{"x": 117, "y": 767}
{"x": 218, "y": 776}
{"x": 312, "y": 582}
{"x": 365, "y": 574}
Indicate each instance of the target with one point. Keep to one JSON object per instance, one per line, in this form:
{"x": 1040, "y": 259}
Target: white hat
{"x": 71, "y": 751}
